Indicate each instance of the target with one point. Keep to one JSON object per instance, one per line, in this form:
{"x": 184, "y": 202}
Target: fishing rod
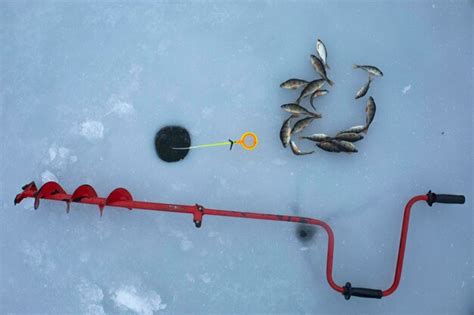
{"x": 122, "y": 198}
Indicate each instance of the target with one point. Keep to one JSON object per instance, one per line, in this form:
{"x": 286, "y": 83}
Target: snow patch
{"x": 128, "y": 298}
{"x": 48, "y": 176}
{"x": 63, "y": 152}
{"x": 205, "y": 277}
{"x": 278, "y": 162}
{"x": 190, "y": 277}
{"x": 186, "y": 244}
{"x": 406, "y": 89}
{"x": 91, "y": 297}
{"x": 119, "y": 107}
{"x": 52, "y": 153}
{"x": 37, "y": 257}
{"x": 59, "y": 157}
{"x": 92, "y": 130}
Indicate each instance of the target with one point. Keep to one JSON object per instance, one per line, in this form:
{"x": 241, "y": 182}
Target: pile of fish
{"x": 342, "y": 141}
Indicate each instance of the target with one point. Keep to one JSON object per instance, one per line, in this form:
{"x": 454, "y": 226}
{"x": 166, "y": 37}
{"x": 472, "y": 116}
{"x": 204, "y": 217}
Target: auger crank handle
{"x": 361, "y": 292}
{"x": 443, "y": 198}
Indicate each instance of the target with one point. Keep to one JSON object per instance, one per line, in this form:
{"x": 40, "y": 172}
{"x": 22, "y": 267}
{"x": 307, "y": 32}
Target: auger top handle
{"x": 122, "y": 198}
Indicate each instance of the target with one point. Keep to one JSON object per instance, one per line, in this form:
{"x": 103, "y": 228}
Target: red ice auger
{"x": 121, "y": 198}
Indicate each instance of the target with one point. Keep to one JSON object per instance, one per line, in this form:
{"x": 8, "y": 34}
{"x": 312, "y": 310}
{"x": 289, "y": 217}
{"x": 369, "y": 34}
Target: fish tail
{"x": 354, "y": 66}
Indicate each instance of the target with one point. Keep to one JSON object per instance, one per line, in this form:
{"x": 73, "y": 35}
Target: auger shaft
{"x": 121, "y": 198}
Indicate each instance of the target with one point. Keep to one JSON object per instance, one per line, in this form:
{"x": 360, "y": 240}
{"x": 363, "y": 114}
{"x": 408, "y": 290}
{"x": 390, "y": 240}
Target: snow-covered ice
{"x": 85, "y": 86}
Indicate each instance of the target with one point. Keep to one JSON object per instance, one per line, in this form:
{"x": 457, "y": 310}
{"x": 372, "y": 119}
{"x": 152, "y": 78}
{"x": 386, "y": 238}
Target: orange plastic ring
{"x": 245, "y": 145}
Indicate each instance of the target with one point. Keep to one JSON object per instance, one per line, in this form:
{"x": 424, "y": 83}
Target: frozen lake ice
{"x": 85, "y": 87}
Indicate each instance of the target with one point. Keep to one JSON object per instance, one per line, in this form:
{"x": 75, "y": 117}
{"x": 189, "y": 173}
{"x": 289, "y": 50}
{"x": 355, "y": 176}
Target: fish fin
{"x": 328, "y": 67}
{"x": 354, "y": 66}
{"x": 331, "y": 83}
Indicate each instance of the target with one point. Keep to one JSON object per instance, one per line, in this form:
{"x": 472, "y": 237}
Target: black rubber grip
{"x": 361, "y": 292}
{"x": 440, "y": 198}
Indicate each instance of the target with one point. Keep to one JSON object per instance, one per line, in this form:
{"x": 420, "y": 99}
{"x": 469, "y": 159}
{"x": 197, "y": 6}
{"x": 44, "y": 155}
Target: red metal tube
{"x": 403, "y": 242}
{"x": 123, "y": 199}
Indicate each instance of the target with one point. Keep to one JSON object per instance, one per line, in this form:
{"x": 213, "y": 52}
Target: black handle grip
{"x": 361, "y": 292}
{"x": 440, "y": 198}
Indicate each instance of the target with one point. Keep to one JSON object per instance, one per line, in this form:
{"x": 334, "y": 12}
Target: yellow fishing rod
{"x": 248, "y": 141}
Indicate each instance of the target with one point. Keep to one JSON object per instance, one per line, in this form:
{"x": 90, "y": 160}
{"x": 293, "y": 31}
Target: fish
{"x": 349, "y": 136}
{"x": 372, "y": 70}
{"x": 322, "y": 53}
{"x": 316, "y": 94}
{"x": 363, "y": 89}
{"x": 293, "y": 84}
{"x": 317, "y": 137}
{"x": 298, "y": 110}
{"x": 328, "y": 146}
{"x": 355, "y": 129}
{"x": 370, "y": 111}
{"x": 319, "y": 67}
{"x": 285, "y": 131}
{"x": 296, "y": 150}
{"x": 301, "y": 124}
{"x": 345, "y": 146}
{"x": 312, "y": 87}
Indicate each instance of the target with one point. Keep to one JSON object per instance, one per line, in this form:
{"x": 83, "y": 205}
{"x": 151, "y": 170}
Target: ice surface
{"x": 85, "y": 87}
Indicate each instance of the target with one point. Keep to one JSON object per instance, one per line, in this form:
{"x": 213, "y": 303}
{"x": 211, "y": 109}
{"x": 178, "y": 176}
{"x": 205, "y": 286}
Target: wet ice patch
{"x": 92, "y": 130}
{"x": 406, "y": 89}
{"x": 48, "y": 176}
{"x": 128, "y": 298}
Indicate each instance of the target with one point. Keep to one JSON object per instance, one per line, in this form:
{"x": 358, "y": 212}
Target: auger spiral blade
{"x": 84, "y": 191}
{"x": 50, "y": 189}
{"x": 116, "y": 196}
